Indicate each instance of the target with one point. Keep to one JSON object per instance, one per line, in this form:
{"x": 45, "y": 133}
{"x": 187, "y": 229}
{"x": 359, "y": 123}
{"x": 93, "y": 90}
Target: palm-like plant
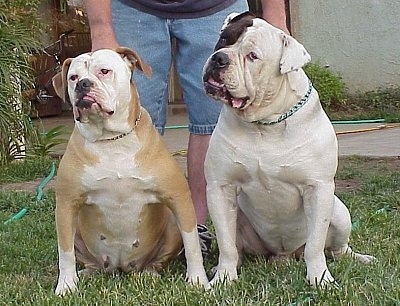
{"x": 19, "y": 24}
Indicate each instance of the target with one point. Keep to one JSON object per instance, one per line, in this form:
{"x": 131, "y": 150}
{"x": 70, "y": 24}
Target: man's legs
{"x": 149, "y": 36}
{"x": 197, "y": 148}
{"x": 196, "y": 40}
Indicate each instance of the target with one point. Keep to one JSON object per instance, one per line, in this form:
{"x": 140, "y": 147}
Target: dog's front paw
{"x": 364, "y": 258}
{"x": 321, "y": 280}
{"x": 199, "y": 278}
{"x": 224, "y": 276}
{"x": 347, "y": 251}
{"x": 66, "y": 284}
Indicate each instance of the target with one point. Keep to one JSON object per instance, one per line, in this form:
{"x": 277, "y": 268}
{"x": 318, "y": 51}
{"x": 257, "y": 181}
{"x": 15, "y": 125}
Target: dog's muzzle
{"x": 214, "y": 85}
{"x": 219, "y": 60}
{"x": 87, "y": 103}
{"x": 82, "y": 89}
{"x": 218, "y": 63}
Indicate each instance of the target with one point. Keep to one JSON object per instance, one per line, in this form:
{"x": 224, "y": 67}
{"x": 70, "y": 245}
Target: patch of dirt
{"x": 369, "y": 165}
{"x": 363, "y": 165}
{"x": 347, "y": 185}
{"x": 29, "y": 186}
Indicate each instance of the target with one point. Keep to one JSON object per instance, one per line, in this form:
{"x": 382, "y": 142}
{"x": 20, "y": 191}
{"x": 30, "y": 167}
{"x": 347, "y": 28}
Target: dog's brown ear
{"x": 60, "y": 81}
{"x": 134, "y": 60}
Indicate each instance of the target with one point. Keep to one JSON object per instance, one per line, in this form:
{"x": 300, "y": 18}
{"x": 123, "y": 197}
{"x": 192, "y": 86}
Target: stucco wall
{"x": 358, "y": 39}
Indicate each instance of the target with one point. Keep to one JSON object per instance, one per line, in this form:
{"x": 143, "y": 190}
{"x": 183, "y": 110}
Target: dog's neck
{"x": 122, "y": 123}
{"x": 292, "y": 109}
{"x": 279, "y": 104}
{"x": 124, "y": 134}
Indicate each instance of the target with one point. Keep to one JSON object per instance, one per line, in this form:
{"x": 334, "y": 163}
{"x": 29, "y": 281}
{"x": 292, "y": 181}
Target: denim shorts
{"x": 150, "y": 37}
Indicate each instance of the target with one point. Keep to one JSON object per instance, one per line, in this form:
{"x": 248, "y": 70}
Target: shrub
{"x": 330, "y": 86}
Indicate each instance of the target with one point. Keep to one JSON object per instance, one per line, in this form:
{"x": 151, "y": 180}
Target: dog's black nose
{"x": 83, "y": 86}
{"x": 220, "y": 60}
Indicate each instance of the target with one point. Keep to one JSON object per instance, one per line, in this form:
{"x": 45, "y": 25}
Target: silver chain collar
{"x": 124, "y": 134}
{"x": 292, "y": 110}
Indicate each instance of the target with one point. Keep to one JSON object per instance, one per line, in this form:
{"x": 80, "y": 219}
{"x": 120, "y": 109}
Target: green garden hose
{"x": 39, "y": 195}
{"x": 173, "y": 127}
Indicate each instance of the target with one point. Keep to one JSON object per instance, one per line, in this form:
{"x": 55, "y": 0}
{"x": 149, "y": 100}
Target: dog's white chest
{"x": 116, "y": 187}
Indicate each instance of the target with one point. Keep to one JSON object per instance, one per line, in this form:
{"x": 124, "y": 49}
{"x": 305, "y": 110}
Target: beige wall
{"x": 358, "y": 39}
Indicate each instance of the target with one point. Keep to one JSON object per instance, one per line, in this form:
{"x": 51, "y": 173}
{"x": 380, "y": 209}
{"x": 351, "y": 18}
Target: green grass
{"x": 28, "y": 257}
{"x": 21, "y": 171}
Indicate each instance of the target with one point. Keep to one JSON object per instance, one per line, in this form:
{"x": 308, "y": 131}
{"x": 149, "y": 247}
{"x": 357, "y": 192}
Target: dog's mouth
{"x": 86, "y": 105}
{"x": 218, "y": 90}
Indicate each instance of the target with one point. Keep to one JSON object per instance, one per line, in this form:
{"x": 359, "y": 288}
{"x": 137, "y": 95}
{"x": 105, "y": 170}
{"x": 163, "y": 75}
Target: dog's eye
{"x": 105, "y": 71}
{"x": 252, "y": 56}
{"x": 73, "y": 77}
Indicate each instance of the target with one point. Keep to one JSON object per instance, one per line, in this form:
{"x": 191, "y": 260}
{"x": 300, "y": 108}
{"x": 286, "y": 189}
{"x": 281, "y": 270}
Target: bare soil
{"x": 363, "y": 165}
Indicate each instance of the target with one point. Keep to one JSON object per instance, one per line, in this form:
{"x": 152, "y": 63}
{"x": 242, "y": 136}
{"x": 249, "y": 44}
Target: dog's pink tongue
{"x": 237, "y": 103}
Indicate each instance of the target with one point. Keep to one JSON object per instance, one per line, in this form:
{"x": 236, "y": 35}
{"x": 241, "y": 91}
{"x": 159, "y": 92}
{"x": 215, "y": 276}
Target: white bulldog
{"x": 122, "y": 200}
{"x": 272, "y": 158}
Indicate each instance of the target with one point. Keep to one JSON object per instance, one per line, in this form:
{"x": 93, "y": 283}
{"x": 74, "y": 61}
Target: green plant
{"x": 19, "y": 26}
{"x": 330, "y": 86}
{"x": 47, "y": 140}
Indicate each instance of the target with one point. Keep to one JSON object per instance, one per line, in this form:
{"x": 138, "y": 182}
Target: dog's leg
{"x": 222, "y": 206}
{"x": 339, "y": 233}
{"x": 186, "y": 221}
{"x": 66, "y": 220}
{"x": 318, "y": 201}
{"x": 195, "y": 270}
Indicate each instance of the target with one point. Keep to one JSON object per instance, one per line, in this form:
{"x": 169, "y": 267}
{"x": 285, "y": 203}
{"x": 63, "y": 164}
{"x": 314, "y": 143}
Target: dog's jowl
{"x": 272, "y": 158}
{"x": 116, "y": 204}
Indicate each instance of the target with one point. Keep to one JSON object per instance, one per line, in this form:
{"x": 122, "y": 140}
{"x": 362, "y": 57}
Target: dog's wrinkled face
{"x": 97, "y": 82}
{"x": 249, "y": 62}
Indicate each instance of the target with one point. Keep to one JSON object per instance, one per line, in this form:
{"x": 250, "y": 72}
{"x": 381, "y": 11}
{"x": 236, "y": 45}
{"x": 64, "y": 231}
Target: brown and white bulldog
{"x": 272, "y": 158}
{"x": 122, "y": 200}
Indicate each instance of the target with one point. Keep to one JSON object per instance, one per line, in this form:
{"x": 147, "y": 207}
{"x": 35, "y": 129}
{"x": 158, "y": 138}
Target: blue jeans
{"x": 150, "y": 37}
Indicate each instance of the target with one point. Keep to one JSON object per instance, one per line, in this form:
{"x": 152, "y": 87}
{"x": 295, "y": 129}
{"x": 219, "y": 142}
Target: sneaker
{"x": 205, "y": 239}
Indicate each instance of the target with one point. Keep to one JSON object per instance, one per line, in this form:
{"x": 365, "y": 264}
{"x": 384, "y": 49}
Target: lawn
{"x": 369, "y": 187}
